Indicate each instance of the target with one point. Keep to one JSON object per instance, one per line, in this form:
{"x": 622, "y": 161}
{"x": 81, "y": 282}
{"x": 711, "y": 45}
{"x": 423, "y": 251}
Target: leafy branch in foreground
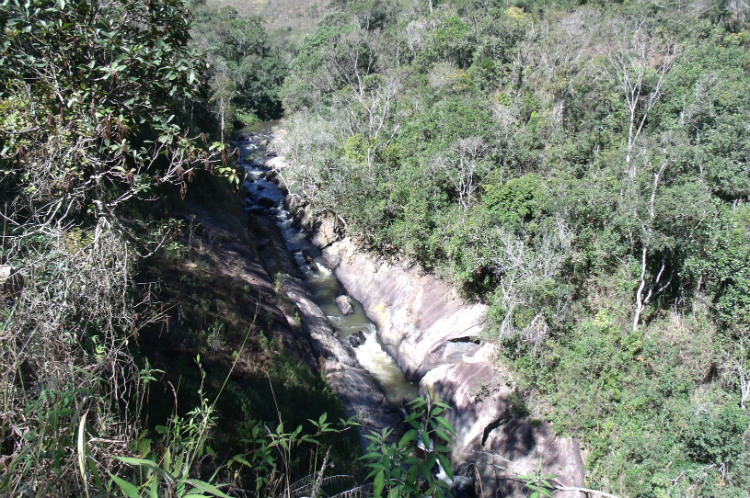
{"x": 407, "y": 468}
{"x": 539, "y": 483}
{"x": 96, "y": 102}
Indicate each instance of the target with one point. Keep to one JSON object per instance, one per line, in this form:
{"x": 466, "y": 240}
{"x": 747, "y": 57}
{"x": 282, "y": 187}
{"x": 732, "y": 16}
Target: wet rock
{"x": 416, "y": 314}
{"x": 434, "y": 336}
{"x": 345, "y": 305}
{"x": 266, "y": 202}
{"x": 358, "y": 390}
{"x": 463, "y": 487}
{"x": 255, "y": 210}
{"x": 293, "y": 203}
{"x": 357, "y": 339}
{"x": 314, "y": 266}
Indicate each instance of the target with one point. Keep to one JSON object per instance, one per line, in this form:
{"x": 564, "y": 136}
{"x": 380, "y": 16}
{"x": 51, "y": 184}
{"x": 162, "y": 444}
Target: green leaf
{"x": 209, "y": 488}
{"x": 379, "y": 484}
{"x": 442, "y": 435}
{"x": 128, "y": 489}
{"x": 425, "y": 439}
{"x": 442, "y": 421}
{"x": 410, "y": 436}
{"x": 446, "y": 464}
{"x": 142, "y": 462}
{"x": 241, "y": 460}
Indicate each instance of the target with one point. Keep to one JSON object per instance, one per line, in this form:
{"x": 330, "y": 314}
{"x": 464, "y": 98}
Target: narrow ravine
{"x": 432, "y": 333}
{"x": 265, "y": 199}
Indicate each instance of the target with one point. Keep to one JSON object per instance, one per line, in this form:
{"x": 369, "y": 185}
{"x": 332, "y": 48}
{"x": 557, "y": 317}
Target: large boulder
{"x": 326, "y": 231}
{"x": 345, "y": 305}
{"x": 277, "y": 164}
{"x": 494, "y": 436}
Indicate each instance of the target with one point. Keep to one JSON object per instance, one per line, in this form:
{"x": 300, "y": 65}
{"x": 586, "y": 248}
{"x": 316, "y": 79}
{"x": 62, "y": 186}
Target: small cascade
{"x": 265, "y": 198}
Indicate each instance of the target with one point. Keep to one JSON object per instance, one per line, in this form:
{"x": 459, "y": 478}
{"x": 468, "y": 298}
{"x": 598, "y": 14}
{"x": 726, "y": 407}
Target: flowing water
{"x": 266, "y": 199}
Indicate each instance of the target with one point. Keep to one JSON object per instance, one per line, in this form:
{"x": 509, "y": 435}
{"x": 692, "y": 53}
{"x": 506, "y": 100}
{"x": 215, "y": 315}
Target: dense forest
{"x": 581, "y": 167}
{"x": 584, "y": 169}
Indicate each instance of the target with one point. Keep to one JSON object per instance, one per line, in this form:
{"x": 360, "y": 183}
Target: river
{"x": 265, "y": 198}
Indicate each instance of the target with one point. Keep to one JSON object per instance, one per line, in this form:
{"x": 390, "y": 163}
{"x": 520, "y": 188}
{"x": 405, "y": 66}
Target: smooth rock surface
{"x": 358, "y": 390}
{"x": 434, "y": 336}
{"x": 416, "y": 314}
{"x": 498, "y": 443}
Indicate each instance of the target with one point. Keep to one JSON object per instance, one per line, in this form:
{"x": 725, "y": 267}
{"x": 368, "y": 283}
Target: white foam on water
{"x": 385, "y": 370}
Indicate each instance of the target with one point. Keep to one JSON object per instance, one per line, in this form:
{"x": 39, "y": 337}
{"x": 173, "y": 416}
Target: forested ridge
{"x": 584, "y": 170}
{"x": 580, "y": 167}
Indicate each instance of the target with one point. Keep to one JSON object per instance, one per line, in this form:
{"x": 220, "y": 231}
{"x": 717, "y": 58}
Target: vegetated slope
{"x": 124, "y": 308}
{"x": 92, "y": 113}
{"x": 291, "y": 16}
{"x": 582, "y": 169}
{"x": 247, "y": 69}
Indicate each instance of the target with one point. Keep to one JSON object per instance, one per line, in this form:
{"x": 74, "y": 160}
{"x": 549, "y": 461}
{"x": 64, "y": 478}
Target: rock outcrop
{"x": 434, "y": 336}
{"x": 496, "y": 437}
{"x": 345, "y": 305}
{"x": 359, "y": 392}
{"x": 420, "y": 319}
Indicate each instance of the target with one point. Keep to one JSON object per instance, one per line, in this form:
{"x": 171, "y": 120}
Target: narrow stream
{"x": 266, "y": 199}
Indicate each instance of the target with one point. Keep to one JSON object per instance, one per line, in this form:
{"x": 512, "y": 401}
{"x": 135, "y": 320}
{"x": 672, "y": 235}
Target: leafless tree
{"x": 466, "y": 164}
{"x": 640, "y": 62}
{"x": 740, "y": 367}
{"x": 520, "y": 268}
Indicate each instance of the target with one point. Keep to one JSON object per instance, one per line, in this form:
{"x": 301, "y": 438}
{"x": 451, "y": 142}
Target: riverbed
{"x": 265, "y": 199}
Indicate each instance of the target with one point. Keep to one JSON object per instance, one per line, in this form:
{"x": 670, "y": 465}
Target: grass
{"x": 216, "y": 293}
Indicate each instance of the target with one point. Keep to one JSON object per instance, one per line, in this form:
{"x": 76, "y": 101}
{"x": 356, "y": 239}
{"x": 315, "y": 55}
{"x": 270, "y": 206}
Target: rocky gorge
{"x": 436, "y": 339}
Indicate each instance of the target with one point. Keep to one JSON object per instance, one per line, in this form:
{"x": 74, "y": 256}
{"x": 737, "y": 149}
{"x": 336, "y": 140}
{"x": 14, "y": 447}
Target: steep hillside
{"x": 583, "y": 171}
{"x": 292, "y": 16}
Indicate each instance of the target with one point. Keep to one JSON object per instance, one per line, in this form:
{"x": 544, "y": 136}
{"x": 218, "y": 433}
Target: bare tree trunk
{"x": 631, "y": 62}
{"x": 640, "y": 300}
{"x": 221, "y": 119}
